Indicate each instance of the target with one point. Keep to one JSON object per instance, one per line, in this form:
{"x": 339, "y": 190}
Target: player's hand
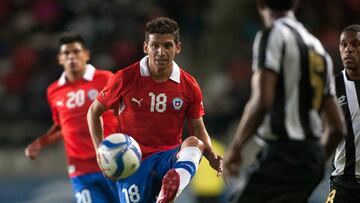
{"x": 232, "y": 163}
{"x": 33, "y": 149}
{"x": 216, "y": 162}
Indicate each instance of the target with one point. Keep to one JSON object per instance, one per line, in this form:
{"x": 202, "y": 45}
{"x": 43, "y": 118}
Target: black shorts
{"x": 344, "y": 190}
{"x": 284, "y": 172}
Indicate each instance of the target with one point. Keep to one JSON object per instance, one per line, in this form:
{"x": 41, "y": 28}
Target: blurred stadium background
{"x": 217, "y": 38}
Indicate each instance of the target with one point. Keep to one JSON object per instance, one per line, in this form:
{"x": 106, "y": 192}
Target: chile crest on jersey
{"x": 177, "y": 103}
{"x": 92, "y": 94}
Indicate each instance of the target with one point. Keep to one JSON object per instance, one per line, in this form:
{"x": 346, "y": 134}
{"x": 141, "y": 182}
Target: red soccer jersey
{"x": 69, "y": 103}
{"x": 153, "y": 113}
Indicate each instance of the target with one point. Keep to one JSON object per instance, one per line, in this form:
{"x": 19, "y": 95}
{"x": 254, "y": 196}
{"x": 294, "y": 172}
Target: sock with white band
{"x": 187, "y": 165}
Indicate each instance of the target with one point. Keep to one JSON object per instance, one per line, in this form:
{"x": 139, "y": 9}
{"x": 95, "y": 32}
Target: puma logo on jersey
{"x": 341, "y": 100}
{"x": 137, "y": 101}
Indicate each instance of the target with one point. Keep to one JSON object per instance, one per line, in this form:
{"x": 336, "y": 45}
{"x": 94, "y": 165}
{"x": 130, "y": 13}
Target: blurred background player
{"x": 153, "y": 98}
{"x": 345, "y": 178}
{"x": 69, "y": 99}
{"x": 292, "y": 96}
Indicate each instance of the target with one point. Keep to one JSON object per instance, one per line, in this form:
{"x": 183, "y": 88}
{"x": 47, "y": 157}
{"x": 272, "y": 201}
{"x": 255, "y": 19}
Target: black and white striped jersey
{"x": 305, "y": 78}
{"x": 346, "y": 160}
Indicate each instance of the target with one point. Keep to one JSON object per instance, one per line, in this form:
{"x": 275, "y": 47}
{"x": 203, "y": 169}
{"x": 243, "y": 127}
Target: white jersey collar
{"x": 88, "y": 75}
{"x": 289, "y": 19}
{"x": 144, "y": 70}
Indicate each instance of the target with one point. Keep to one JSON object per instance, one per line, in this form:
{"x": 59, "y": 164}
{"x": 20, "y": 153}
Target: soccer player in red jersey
{"x": 153, "y": 97}
{"x": 69, "y": 99}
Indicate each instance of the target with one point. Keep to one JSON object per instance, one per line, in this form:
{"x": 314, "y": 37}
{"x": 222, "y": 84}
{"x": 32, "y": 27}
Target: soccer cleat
{"x": 169, "y": 188}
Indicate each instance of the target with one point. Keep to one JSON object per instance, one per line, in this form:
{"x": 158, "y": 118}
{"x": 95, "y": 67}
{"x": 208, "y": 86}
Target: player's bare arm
{"x": 263, "y": 84}
{"x": 334, "y": 125}
{"x": 95, "y": 123}
{"x": 52, "y": 136}
{"x": 197, "y": 128}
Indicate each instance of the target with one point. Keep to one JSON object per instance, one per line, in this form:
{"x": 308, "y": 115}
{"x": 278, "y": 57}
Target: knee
{"x": 193, "y": 141}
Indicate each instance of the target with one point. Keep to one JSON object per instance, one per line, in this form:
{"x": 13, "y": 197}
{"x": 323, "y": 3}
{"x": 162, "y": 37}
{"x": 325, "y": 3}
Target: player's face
{"x": 350, "y": 50}
{"x": 73, "y": 57}
{"x": 162, "y": 50}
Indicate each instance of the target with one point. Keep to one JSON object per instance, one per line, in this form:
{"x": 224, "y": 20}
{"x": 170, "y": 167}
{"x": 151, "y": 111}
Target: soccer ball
{"x": 119, "y": 156}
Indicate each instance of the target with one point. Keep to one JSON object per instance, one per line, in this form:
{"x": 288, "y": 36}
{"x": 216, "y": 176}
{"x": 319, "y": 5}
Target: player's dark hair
{"x": 71, "y": 37}
{"x": 352, "y": 28}
{"x": 280, "y": 5}
{"x": 162, "y": 25}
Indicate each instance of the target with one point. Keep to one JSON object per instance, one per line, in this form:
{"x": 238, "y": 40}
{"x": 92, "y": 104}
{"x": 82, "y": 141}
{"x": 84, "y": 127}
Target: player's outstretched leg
{"x": 176, "y": 179}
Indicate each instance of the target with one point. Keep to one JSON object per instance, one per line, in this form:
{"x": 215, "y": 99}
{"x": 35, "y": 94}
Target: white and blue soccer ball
{"x": 119, "y": 156}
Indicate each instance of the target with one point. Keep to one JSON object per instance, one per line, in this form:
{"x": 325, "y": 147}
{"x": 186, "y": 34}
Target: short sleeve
{"x": 267, "y": 49}
{"x": 330, "y": 84}
{"x": 111, "y": 93}
{"x": 196, "y": 107}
